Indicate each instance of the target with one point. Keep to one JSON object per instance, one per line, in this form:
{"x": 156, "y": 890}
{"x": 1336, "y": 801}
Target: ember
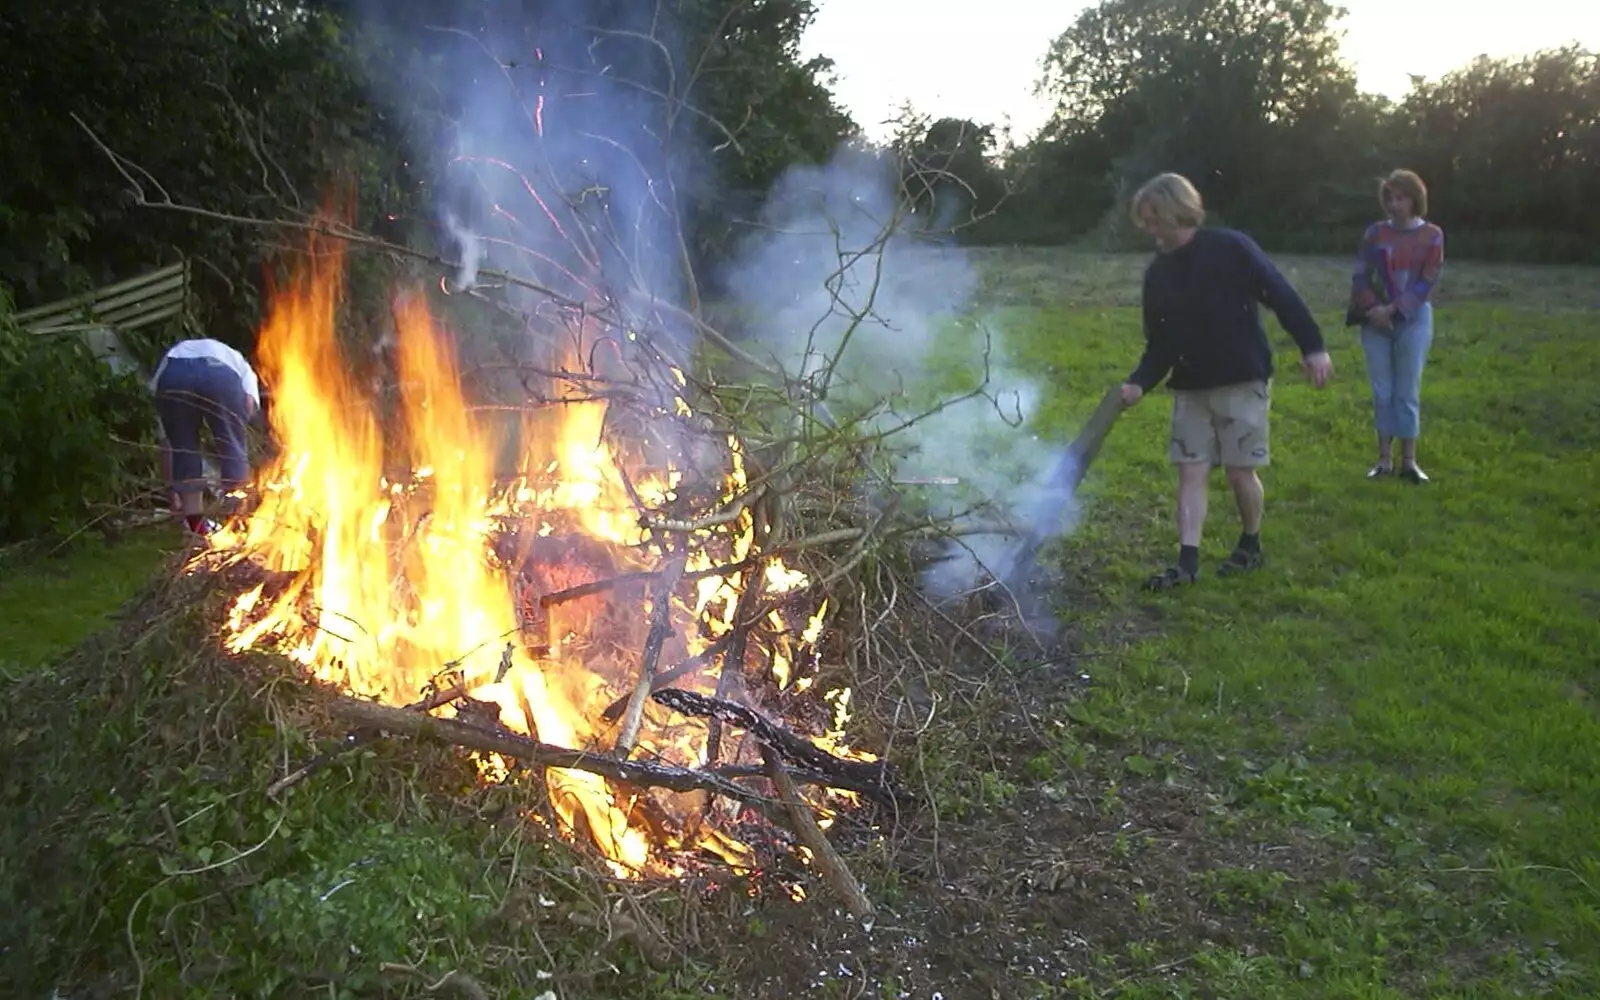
{"x": 548, "y": 610}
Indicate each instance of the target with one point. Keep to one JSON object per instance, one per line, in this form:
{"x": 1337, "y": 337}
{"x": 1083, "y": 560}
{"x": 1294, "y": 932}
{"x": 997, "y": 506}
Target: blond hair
{"x": 1173, "y": 199}
{"x": 1405, "y": 182}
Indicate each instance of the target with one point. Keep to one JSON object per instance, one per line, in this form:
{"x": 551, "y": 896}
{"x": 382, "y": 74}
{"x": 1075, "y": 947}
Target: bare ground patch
{"x": 1075, "y": 874}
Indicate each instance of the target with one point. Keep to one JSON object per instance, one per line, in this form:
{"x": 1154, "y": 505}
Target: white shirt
{"x": 216, "y": 350}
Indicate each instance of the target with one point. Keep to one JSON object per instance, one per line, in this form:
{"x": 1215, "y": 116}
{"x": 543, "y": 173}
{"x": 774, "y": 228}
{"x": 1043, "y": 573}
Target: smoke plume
{"x": 551, "y": 127}
{"x": 839, "y": 283}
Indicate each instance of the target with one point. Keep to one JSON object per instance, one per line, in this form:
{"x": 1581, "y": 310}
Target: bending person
{"x": 206, "y": 383}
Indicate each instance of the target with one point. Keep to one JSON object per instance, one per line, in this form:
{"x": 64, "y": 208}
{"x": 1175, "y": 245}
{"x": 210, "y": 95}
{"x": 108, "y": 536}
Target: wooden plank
{"x": 148, "y": 318}
{"x": 78, "y": 302}
{"x": 131, "y": 313}
{"x": 137, "y": 302}
{"x": 175, "y": 282}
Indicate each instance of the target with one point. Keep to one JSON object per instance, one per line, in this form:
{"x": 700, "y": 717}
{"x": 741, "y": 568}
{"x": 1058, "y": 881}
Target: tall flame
{"x": 394, "y": 581}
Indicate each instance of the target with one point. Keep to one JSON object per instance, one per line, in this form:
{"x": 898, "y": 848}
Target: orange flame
{"x": 392, "y": 582}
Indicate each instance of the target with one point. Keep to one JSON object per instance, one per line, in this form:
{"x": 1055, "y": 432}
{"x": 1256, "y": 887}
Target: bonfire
{"x": 609, "y": 609}
{"x": 586, "y": 561}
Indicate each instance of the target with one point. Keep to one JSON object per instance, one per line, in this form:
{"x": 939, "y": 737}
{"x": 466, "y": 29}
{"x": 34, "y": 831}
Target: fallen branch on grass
{"x": 368, "y": 715}
{"x": 458, "y": 982}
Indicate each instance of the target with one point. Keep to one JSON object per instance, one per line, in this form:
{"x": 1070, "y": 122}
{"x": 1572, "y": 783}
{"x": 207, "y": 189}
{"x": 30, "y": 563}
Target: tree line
{"x": 259, "y": 109}
{"x": 253, "y": 108}
{"x": 1252, "y": 100}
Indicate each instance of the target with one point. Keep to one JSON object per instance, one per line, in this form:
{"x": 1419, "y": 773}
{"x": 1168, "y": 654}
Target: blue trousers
{"x": 1395, "y": 359}
{"x": 197, "y": 391}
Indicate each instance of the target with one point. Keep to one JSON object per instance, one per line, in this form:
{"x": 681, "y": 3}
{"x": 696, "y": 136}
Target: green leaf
{"x": 1140, "y": 765}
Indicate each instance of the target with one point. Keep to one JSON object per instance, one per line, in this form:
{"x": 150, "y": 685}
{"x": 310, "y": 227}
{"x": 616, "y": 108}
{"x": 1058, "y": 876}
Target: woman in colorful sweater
{"x": 1396, "y": 271}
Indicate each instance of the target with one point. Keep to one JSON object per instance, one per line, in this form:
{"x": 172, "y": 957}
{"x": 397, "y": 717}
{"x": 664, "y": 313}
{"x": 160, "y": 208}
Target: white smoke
{"x": 818, "y": 270}
{"x": 815, "y": 274}
{"x": 469, "y": 247}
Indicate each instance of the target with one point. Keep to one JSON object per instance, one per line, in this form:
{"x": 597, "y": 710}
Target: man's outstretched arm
{"x": 1280, "y": 296}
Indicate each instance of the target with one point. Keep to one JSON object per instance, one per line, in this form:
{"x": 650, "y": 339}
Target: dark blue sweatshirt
{"x": 1201, "y": 317}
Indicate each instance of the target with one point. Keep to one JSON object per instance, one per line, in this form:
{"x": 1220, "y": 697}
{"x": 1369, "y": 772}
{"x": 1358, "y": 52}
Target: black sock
{"x": 1249, "y": 542}
{"x": 1189, "y": 558}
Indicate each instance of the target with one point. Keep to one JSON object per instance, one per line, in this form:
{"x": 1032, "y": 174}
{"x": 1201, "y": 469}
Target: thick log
{"x": 371, "y": 715}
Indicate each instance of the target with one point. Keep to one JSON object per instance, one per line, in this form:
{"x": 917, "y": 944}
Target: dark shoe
{"x": 1380, "y": 470}
{"x": 1241, "y": 561}
{"x": 1172, "y": 576}
{"x": 1413, "y": 474}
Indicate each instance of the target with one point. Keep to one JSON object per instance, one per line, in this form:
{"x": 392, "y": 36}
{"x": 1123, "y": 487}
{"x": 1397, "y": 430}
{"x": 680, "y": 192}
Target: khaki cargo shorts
{"x": 1223, "y": 426}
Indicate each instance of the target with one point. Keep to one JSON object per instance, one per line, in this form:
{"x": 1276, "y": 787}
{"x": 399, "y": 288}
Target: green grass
{"x": 1052, "y": 278}
{"x": 51, "y": 602}
{"x": 1425, "y": 657}
{"x": 1401, "y": 708}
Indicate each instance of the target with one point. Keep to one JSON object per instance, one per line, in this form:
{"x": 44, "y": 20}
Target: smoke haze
{"x": 549, "y": 133}
{"x": 831, "y": 264}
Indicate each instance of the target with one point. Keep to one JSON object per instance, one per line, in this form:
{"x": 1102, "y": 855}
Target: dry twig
{"x": 829, "y": 862}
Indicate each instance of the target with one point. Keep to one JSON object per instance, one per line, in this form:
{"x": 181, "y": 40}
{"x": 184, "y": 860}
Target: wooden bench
{"x": 101, "y": 316}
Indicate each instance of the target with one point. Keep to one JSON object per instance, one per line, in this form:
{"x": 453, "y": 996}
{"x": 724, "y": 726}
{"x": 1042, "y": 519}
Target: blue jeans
{"x": 1395, "y": 359}
{"x": 196, "y": 391}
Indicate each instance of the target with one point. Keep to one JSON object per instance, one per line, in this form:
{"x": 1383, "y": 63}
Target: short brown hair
{"x": 1405, "y": 182}
{"x": 1174, "y": 199}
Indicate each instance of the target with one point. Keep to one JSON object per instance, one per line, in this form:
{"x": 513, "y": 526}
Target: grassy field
{"x": 1048, "y": 278}
{"x": 1413, "y": 680}
{"x": 50, "y": 602}
{"x": 1370, "y": 770}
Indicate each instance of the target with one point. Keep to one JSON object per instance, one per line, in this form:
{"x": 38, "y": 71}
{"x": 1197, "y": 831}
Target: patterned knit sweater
{"x": 1396, "y": 265}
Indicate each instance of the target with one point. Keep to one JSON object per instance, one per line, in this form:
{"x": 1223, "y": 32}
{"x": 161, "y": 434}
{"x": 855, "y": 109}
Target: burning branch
{"x": 733, "y": 661}
{"x": 828, "y": 860}
{"x": 398, "y": 721}
{"x": 660, "y": 625}
{"x": 655, "y": 508}
{"x": 374, "y": 717}
{"x": 794, "y": 749}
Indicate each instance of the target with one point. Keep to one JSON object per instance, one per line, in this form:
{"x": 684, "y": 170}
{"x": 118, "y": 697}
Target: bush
{"x": 74, "y": 435}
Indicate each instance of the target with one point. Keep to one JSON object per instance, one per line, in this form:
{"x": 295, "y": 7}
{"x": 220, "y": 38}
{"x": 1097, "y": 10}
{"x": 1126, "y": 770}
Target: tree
{"x": 226, "y": 104}
{"x": 1209, "y": 88}
{"x": 681, "y": 114}
{"x": 949, "y": 171}
{"x": 1511, "y": 147}
{"x": 257, "y": 110}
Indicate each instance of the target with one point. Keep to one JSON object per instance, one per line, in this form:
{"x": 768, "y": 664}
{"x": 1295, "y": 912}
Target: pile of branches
{"x": 819, "y": 491}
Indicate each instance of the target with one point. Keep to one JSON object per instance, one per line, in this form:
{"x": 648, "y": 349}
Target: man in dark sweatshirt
{"x": 1202, "y": 326}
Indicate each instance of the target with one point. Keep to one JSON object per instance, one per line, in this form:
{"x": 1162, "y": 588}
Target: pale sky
{"x": 980, "y": 60}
